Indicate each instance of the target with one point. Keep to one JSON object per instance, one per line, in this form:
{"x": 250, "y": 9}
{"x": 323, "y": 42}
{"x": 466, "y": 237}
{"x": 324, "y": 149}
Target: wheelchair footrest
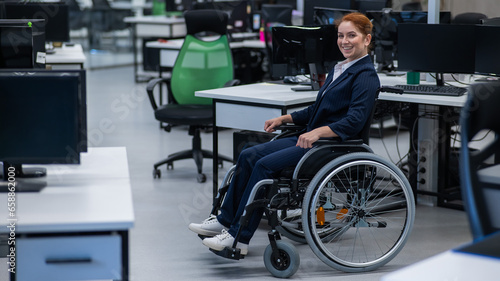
{"x": 204, "y": 236}
{"x": 229, "y": 253}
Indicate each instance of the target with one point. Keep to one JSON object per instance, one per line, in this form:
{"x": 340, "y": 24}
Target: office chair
{"x": 468, "y": 18}
{"x": 274, "y": 15}
{"x": 200, "y": 65}
{"x": 480, "y": 182}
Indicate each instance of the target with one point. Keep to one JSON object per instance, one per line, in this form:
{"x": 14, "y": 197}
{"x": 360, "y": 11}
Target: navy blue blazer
{"x": 345, "y": 105}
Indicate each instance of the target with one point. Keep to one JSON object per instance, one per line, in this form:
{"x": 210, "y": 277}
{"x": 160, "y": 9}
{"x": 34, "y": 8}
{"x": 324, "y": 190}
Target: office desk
{"x": 154, "y": 26}
{"x": 66, "y": 57}
{"x": 77, "y": 227}
{"x": 249, "y": 106}
{"x": 466, "y": 263}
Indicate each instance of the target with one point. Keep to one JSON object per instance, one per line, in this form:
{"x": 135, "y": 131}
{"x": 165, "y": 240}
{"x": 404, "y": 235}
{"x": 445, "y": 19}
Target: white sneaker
{"x": 209, "y": 227}
{"x": 219, "y": 242}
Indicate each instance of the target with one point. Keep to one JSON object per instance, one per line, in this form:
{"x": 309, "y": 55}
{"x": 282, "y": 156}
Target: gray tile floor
{"x": 162, "y": 247}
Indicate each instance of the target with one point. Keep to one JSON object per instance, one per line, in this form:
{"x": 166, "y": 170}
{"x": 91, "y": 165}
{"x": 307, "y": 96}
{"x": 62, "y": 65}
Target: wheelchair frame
{"x": 346, "y": 195}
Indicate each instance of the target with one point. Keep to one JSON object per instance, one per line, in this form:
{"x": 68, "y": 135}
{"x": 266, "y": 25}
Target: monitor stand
{"x": 17, "y": 179}
{"x": 317, "y": 80}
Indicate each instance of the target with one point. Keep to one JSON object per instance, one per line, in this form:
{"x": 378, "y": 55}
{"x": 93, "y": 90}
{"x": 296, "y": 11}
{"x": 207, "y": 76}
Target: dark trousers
{"x": 256, "y": 163}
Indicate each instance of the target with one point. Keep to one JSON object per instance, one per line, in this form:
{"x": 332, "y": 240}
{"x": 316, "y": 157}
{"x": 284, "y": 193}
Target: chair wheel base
{"x": 156, "y": 173}
{"x": 201, "y": 178}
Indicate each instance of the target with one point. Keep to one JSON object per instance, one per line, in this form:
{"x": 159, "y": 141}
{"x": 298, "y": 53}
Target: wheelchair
{"x": 353, "y": 208}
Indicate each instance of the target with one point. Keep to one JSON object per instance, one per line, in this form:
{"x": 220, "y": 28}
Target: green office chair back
{"x": 202, "y": 63}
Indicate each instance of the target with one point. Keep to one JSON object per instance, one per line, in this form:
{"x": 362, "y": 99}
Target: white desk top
{"x": 67, "y": 54}
{"x": 262, "y": 93}
{"x": 92, "y": 196}
{"x": 154, "y": 20}
{"x": 450, "y": 265}
{"x": 281, "y": 94}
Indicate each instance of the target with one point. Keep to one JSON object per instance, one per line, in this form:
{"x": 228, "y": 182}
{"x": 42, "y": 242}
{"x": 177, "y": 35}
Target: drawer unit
{"x": 85, "y": 257}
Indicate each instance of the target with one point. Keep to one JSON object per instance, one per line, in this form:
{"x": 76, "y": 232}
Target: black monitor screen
{"x": 294, "y": 48}
{"x": 365, "y": 5}
{"x": 325, "y": 16}
{"x": 440, "y": 48}
{"x": 55, "y": 14}
{"x": 41, "y": 118}
{"x": 309, "y": 6}
{"x": 16, "y": 47}
{"x": 488, "y": 50}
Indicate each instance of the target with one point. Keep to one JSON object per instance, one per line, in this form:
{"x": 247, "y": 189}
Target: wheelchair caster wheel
{"x": 156, "y": 173}
{"x": 201, "y": 178}
{"x": 286, "y": 263}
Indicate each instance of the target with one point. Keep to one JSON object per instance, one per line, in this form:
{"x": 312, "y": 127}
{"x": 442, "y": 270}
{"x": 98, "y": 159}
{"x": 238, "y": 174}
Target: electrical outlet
{"x": 425, "y": 168}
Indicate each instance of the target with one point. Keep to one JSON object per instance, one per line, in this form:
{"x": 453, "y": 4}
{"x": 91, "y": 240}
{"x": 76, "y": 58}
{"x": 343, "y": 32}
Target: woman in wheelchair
{"x": 343, "y": 106}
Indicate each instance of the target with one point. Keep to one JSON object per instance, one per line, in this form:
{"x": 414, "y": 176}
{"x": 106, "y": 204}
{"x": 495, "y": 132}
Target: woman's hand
{"x": 307, "y": 140}
{"x": 270, "y": 124}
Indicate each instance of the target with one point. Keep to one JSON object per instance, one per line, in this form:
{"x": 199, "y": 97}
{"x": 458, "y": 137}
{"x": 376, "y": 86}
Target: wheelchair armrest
{"x": 337, "y": 141}
{"x": 288, "y": 130}
{"x": 150, "y": 87}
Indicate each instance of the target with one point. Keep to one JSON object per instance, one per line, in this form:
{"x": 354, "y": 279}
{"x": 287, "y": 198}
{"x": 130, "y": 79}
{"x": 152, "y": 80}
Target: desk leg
{"x": 125, "y": 256}
{"x": 134, "y": 50}
{"x": 215, "y": 152}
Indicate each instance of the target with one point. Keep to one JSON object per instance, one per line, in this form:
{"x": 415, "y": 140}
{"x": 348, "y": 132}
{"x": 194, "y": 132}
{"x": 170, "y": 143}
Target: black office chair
{"x": 200, "y": 65}
{"x": 480, "y": 181}
{"x": 468, "y": 18}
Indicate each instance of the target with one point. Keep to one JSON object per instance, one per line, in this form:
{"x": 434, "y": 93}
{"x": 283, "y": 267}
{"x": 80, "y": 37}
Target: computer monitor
{"x": 42, "y": 117}
{"x": 21, "y": 43}
{"x": 237, "y": 11}
{"x": 367, "y": 5}
{"x": 309, "y": 6}
{"x": 385, "y": 33}
{"x": 325, "y": 16}
{"x": 438, "y": 48}
{"x": 299, "y": 50}
{"x": 55, "y": 14}
{"x": 487, "y": 50}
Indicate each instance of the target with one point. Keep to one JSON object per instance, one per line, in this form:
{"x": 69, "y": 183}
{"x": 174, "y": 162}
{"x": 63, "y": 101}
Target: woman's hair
{"x": 359, "y": 20}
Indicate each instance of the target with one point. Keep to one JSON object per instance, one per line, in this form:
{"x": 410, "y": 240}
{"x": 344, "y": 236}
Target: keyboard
{"x": 433, "y": 90}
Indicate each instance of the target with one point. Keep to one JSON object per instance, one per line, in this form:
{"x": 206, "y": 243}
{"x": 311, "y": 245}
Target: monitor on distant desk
{"x": 325, "y": 16}
{"x": 488, "y": 50}
{"x": 21, "y": 42}
{"x": 385, "y": 33}
{"x": 55, "y": 14}
{"x": 309, "y": 6}
{"x": 305, "y": 50}
{"x": 42, "y": 120}
{"x": 437, "y": 48}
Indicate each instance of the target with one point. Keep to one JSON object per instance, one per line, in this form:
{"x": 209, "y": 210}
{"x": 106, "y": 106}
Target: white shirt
{"x": 340, "y": 67}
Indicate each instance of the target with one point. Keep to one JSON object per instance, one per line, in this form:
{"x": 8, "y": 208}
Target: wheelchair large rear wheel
{"x": 366, "y": 204}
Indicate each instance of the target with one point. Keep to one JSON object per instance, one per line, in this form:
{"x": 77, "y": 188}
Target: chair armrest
{"x": 150, "y": 88}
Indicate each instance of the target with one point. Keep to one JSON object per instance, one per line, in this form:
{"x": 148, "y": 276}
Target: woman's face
{"x": 352, "y": 43}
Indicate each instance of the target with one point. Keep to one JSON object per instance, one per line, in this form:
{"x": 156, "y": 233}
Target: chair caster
{"x": 156, "y": 173}
{"x": 285, "y": 262}
{"x": 170, "y": 166}
{"x": 201, "y": 178}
